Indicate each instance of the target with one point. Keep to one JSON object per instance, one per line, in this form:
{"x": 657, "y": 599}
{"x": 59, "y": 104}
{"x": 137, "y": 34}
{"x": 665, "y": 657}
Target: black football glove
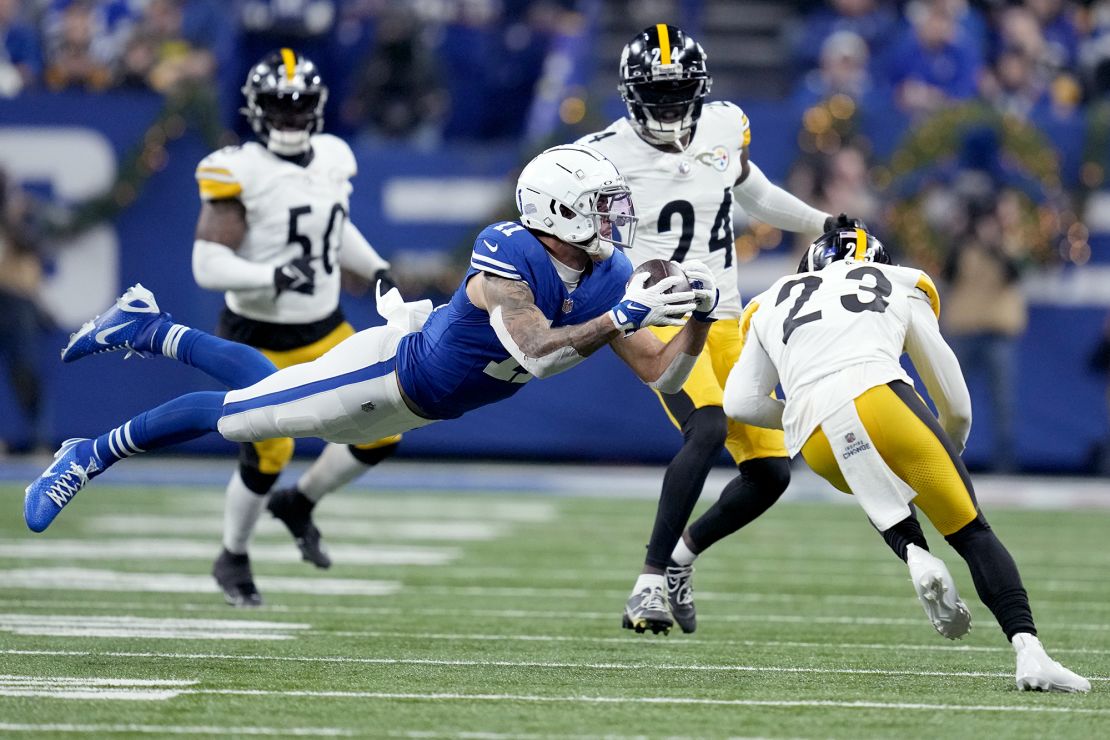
{"x": 297, "y": 275}
{"x": 843, "y": 222}
{"x": 386, "y": 279}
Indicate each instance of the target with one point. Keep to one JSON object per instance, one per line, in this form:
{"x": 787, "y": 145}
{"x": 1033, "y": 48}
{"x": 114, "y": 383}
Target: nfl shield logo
{"x": 849, "y": 437}
{"x": 568, "y": 305}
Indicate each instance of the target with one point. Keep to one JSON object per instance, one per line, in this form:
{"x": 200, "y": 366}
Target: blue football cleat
{"x": 130, "y": 325}
{"x": 59, "y": 483}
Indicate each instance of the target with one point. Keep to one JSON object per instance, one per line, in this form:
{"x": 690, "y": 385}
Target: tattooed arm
{"x": 527, "y": 334}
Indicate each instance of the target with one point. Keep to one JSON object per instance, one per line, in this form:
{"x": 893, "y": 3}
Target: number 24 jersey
{"x": 684, "y": 200}
{"x": 291, "y": 211}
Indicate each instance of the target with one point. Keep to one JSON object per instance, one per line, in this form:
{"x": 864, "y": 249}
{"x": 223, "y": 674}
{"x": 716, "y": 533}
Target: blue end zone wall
{"x": 598, "y": 411}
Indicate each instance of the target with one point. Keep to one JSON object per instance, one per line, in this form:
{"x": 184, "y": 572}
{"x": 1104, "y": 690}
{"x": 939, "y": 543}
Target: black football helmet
{"x": 285, "y": 99}
{"x": 853, "y": 244}
{"x": 663, "y": 81}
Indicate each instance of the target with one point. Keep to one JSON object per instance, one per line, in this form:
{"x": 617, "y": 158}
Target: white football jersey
{"x": 291, "y": 211}
{"x": 833, "y": 334}
{"x": 684, "y": 200}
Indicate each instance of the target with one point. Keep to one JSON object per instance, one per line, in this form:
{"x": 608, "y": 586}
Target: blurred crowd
{"x": 382, "y": 59}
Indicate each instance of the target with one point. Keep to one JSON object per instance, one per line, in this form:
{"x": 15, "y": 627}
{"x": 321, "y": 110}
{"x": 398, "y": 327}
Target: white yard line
{"x": 85, "y": 579}
{"x": 74, "y": 687}
{"x": 404, "y": 529}
{"x": 203, "y": 549}
{"x": 660, "y": 700}
{"x": 535, "y": 616}
{"x": 135, "y": 729}
{"x": 144, "y": 627}
{"x": 563, "y": 665}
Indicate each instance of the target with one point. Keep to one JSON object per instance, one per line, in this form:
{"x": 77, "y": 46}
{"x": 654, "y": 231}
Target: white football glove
{"x": 704, "y": 286}
{"x": 652, "y": 306}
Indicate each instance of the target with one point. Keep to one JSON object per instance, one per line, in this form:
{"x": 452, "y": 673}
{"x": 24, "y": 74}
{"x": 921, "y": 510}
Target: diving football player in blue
{"x": 541, "y": 295}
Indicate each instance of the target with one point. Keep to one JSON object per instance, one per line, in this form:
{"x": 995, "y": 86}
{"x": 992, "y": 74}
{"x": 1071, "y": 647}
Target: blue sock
{"x": 184, "y": 418}
{"x": 233, "y": 364}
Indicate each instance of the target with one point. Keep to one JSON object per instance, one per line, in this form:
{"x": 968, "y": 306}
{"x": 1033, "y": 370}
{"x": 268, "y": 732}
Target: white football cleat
{"x": 1038, "y": 672}
{"x": 937, "y": 592}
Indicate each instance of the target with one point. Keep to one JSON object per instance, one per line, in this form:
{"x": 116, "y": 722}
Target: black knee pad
{"x": 373, "y": 455}
{"x": 767, "y": 473}
{"x": 967, "y": 534}
{"x": 706, "y": 429}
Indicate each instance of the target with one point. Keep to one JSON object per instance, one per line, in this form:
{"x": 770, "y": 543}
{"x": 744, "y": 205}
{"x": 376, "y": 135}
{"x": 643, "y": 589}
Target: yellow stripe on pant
{"x": 911, "y": 450}
{"x": 705, "y": 387}
{"x": 275, "y": 454}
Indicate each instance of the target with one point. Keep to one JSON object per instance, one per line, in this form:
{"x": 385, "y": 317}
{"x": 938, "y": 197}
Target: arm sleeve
{"x": 762, "y": 199}
{"x": 748, "y": 388}
{"x": 357, "y": 255}
{"x": 217, "y": 267}
{"x": 939, "y": 369}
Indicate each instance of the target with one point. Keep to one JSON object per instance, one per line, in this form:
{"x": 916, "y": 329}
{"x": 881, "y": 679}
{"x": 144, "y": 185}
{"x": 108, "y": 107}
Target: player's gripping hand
{"x": 843, "y": 221}
{"x": 297, "y": 275}
{"x": 705, "y": 290}
{"x": 385, "y": 279}
{"x": 651, "y": 306}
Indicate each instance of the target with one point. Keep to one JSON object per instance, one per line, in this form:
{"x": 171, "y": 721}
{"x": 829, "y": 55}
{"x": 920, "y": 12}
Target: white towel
{"x": 409, "y": 316}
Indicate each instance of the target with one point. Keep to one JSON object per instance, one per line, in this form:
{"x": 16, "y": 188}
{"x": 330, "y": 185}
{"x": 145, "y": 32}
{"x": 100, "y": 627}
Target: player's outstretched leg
{"x": 758, "y": 484}
{"x": 136, "y": 324}
{"x": 337, "y": 466}
{"x": 77, "y": 461}
{"x": 998, "y": 583}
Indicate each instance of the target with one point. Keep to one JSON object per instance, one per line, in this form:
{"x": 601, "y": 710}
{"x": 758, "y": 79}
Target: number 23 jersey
{"x": 291, "y": 211}
{"x": 833, "y": 334}
{"x": 684, "y": 200}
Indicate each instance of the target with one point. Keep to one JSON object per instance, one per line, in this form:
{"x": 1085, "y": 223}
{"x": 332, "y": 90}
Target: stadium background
{"x": 443, "y": 100}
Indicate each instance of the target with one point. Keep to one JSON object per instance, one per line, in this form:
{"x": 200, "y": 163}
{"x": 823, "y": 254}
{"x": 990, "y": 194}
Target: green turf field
{"x": 488, "y": 616}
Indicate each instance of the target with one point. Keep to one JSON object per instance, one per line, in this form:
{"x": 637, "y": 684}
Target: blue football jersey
{"x": 456, "y": 362}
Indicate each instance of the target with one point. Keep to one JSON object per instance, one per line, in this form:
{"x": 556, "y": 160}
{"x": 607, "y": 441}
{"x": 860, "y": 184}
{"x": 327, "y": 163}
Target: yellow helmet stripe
{"x": 861, "y": 245}
{"x": 289, "y": 60}
{"x": 664, "y": 43}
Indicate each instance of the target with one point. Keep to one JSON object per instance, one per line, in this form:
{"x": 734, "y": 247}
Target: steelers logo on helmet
{"x": 843, "y": 245}
{"x": 576, "y": 194}
{"x": 663, "y": 82}
{"x": 285, "y": 99}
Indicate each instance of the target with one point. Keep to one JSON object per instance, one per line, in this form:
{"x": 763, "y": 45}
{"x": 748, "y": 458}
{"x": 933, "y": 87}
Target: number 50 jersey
{"x": 684, "y": 200}
{"x": 835, "y": 333}
{"x": 291, "y": 211}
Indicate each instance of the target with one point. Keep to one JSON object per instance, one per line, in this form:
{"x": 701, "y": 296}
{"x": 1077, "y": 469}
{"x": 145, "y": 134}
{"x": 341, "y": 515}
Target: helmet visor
{"x": 615, "y": 216}
{"x": 667, "y": 93}
{"x": 290, "y": 110}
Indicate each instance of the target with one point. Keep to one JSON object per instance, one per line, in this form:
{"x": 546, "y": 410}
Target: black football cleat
{"x": 680, "y": 595}
{"x": 233, "y": 575}
{"x": 293, "y": 509}
{"x": 647, "y": 610}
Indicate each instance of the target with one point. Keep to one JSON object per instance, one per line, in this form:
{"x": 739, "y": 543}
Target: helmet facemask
{"x": 667, "y": 110}
{"x": 613, "y": 216}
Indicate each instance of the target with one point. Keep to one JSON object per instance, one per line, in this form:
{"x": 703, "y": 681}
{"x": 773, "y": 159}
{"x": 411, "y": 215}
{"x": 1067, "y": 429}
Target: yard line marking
{"x": 145, "y": 627}
{"x": 395, "y": 508}
{"x": 66, "y": 687}
{"x": 183, "y": 549}
{"x": 419, "y": 530}
{"x": 176, "y": 729}
{"x": 561, "y": 665}
{"x": 82, "y": 579}
{"x": 790, "y": 704}
{"x": 530, "y": 615}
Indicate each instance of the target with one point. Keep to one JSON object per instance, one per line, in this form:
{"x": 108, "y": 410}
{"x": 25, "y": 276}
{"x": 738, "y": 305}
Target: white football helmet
{"x": 575, "y": 194}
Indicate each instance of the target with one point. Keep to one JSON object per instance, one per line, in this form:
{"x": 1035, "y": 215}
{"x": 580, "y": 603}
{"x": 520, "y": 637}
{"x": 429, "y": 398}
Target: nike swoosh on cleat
{"x": 102, "y": 336}
{"x": 491, "y": 247}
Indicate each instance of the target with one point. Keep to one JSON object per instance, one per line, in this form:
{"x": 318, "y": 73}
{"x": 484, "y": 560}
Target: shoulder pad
{"x": 925, "y": 285}
{"x": 336, "y": 150}
{"x": 733, "y": 116}
{"x": 598, "y": 137}
{"x": 746, "y": 317}
{"x": 220, "y": 174}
